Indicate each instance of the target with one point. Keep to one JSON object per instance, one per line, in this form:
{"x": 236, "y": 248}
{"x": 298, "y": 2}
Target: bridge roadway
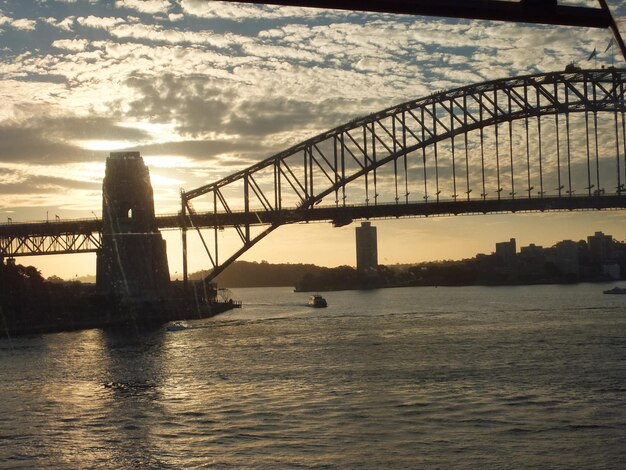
{"x": 342, "y": 215}
{"x": 51, "y": 237}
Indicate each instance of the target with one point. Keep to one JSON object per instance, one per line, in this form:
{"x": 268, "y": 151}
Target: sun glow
{"x": 105, "y": 145}
{"x": 164, "y": 181}
{"x": 158, "y": 132}
{"x": 168, "y": 161}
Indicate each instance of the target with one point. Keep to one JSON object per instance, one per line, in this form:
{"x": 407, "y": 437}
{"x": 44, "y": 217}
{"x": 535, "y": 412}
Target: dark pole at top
{"x": 523, "y": 11}
{"x": 613, "y": 26}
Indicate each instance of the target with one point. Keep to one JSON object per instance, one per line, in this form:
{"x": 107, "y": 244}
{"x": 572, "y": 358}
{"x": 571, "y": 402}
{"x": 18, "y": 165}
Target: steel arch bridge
{"x": 554, "y": 141}
{"x": 544, "y": 142}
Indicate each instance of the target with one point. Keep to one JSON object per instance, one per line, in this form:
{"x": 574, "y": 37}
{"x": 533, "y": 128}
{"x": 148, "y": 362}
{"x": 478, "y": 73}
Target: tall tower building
{"x": 366, "y": 247}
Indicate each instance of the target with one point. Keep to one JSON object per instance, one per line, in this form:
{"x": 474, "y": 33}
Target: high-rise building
{"x": 600, "y": 247}
{"x": 505, "y": 251}
{"x": 567, "y": 259}
{"x": 366, "y": 247}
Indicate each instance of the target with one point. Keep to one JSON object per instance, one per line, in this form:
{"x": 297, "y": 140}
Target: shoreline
{"x": 122, "y": 316}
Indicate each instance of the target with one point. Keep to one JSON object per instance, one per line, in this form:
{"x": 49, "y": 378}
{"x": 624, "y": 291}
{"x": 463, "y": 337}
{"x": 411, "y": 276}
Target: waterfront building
{"x": 611, "y": 271}
{"x": 531, "y": 250}
{"x": 366, "y": 247}
{"x": 600, "y": 247}
{"x": 505, "y": 251}
{"x": 566, "y": 257}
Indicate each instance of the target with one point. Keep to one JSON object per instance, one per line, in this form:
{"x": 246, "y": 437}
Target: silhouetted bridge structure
{"x": 545, "y": 142}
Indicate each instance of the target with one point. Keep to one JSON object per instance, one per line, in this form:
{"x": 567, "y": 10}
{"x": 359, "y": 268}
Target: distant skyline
{"x": 490, "y": 251}
{"x": 203, "y": 89}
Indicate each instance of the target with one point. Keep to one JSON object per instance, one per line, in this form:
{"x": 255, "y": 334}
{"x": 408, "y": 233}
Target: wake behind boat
{"x": 176, "y": 326}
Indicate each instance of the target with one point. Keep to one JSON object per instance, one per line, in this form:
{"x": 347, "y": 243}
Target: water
{"x": 506, "y": 377}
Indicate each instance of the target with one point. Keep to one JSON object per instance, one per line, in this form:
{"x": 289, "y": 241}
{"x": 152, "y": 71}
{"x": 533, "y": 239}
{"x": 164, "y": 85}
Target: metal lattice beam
{"x": 425, "y": 141}
{"x": 33, "y": 245}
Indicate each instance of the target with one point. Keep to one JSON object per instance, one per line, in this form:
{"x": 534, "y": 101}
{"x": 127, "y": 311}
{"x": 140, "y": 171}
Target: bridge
{"x": 545, "y": 142}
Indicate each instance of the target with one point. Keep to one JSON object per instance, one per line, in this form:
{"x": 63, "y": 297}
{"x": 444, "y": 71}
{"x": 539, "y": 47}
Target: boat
{"x": 176, "y": 326}
{"x": 317, "y": 301}
{"x": 616, "y": 290}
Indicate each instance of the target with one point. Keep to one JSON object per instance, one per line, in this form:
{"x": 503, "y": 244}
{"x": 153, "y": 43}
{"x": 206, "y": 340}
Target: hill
{"x": 263, "y": 274}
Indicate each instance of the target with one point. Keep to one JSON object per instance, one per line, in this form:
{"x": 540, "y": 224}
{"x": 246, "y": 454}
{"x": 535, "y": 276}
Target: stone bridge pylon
{"x": 132, "y": 262}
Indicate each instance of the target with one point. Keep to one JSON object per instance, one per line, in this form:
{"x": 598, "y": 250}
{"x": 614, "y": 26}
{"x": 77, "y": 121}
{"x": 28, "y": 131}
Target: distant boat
{"x": 616, "y": 290}
{"x": 317, "y": 301}
{"x": 176, "y": 326}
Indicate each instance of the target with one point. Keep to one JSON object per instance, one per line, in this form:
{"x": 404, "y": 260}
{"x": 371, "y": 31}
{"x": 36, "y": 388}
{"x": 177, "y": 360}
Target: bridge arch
{"x": 536, "y": 142}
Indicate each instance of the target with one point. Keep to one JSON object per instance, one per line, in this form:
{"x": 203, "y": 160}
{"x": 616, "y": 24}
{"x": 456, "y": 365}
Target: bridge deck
{"x": 335, "y": 214}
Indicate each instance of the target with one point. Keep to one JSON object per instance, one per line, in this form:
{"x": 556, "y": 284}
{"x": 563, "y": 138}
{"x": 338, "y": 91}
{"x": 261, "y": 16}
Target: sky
{"x": 205, "y": 88}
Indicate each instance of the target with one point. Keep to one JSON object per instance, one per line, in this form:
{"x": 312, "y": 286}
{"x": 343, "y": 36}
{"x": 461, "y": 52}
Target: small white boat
{"x": 176, "y": 326}
{"x": 317, "y": 301}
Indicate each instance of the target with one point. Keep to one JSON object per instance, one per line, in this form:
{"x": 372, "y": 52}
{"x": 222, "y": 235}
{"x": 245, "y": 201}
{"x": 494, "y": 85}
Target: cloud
{"x": 21, "y": 24}
{"x": 49, "y": 139}
{"x": 66, "y": 24}
{"x": 23, "y": 144}
{"x": 145, "y": 6}
{"x": 99, "y": 22}
{"x": 272, "y": 115}
{"x": 202, "y": 150}
{"x": 276, "y": 52}
{"x": 86, "y": 128}
{"x": 71, "y": 44}
{"x": 239, "y": 11}
{"x": 158, "y": 34}
{"x": 201, "y": 107}
{"x": 32, "y": 184}
{"x": 24, "y": 24}
{"x": 192, "y": 103}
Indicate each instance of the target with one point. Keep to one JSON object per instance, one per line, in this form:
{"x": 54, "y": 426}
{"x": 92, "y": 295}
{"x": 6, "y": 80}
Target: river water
{"x": 466, "y": 377}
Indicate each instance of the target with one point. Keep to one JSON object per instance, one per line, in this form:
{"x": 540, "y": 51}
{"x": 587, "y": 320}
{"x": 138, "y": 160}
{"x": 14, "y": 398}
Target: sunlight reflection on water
{"x": 494, "y": 377}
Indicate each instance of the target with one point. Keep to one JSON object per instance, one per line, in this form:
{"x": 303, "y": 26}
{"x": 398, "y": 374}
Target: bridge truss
{"x": 50, "y": 238}
{"x": 554, "y": 141}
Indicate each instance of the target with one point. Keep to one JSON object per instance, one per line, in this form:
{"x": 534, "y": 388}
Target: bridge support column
{"x": 132, "y": 263}
{"x": 183, "y": 225}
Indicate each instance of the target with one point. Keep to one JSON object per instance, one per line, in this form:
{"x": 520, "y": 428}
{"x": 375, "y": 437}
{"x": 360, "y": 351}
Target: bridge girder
{"x": 49, "y": 244}
{"x": 50, "y": 237}
{"x": 341, "y": 215}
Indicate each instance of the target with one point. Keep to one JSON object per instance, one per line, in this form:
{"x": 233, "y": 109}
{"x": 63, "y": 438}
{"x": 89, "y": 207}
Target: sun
{"x": 104, "y": 145}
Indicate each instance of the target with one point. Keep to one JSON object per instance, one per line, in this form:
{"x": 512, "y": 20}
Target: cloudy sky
{"x": 205, "y": 88}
